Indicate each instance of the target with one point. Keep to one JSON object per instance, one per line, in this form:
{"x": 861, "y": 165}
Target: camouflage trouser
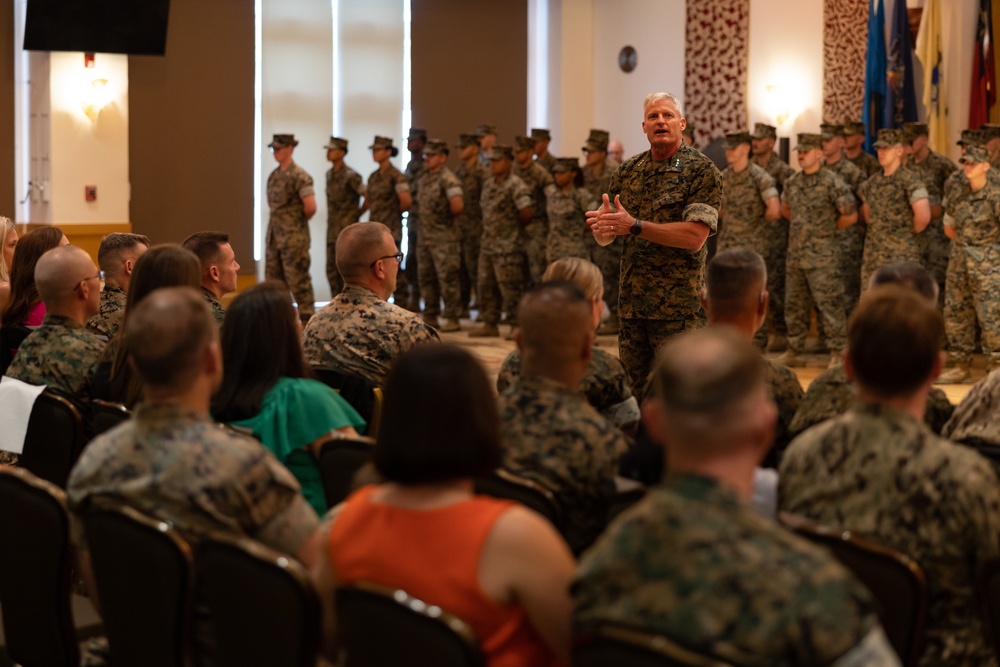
{"x": 534, "y": 250}
{"x": 286, "y": 258}
{"x": 852, "y": 245}
{"x": 412, "y": 263}
{"x": 875, "y": 257}
{"x": 972, "y": 292}
{"x": 471, "y": 237}
{"x": 638, "y": 341}
{"x": 826, "y": 289}
{"x": 402, "y": 293}
{"x": 332, "y": 274}
{"x": 501, "y": 281}
{"x": 777, "y": 249}
{"x": 439, "y": 266}
{"x": 557, "y": 248}
{"x": 609, "y": 260}
{"x": 935, "y": 248}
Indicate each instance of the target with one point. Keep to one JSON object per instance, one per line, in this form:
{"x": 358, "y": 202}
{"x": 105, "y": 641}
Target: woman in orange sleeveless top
{"x": 498, "y": 566}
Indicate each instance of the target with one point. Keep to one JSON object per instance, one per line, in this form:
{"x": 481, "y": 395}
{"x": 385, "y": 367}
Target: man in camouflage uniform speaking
{"x": 292, "y": 200}
{"x": 694, "y": 561}
{"x": 666, "y": 205}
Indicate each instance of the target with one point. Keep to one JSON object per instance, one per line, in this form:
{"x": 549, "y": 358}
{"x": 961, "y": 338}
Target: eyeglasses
{"x": 398, "y": 257}
{"x": 100, "y": 274}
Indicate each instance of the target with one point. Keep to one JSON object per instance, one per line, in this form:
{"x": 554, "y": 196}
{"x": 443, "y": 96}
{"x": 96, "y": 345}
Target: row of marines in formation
{"x": 903, "y": 485}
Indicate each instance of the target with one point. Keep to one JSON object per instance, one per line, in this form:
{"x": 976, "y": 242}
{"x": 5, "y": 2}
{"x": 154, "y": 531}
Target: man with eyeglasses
{"x": 62, "y": 353}
{"x": 292, "y": 200}
{"x": 359, "y": 330}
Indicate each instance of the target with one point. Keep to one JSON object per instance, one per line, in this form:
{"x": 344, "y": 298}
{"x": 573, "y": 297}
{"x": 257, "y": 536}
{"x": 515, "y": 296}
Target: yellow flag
{"x": 929, "y": 51}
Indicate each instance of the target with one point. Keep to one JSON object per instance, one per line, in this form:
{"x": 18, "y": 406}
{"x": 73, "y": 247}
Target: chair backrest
{"x": 895, "y": 580}
{"x": 144, "y": 574}
{"x": 364, "y": 395}
{"x": 54, "y": 438}
{"x": 507, "y": 485}
{"x": 603, "y": 645}
{"x": 35, "y": 571}
{"x": 263, "y": 607}
{"x": 384, "y": 626}
{"x": 105, "y": 415}
{"x": 10, "y": 339}
{"x": 339, "y": 460}
{"x": 989, "y": 586}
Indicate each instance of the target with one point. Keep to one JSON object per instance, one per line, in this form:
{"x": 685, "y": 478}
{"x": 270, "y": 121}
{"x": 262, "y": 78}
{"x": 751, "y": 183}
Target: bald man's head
{"x": 557, "y": 328}
{"x": 167, "y": 336}
{"x": 68, "y": 282}
{"x": 361, "y": 244}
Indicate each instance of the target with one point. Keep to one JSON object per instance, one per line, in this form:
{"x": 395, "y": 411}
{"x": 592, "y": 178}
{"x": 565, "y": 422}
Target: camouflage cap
{"x": 990, "y": 131}
{"x": 502, "y": 153}
{"x": 853, "y": 127}
{"x": 734, "y": 139}
{"x": 830, "y": 131}
{"x": 688, "y": 130}
{"x": 523, "y": 143}
{"x": 975, "y": 154}
{"x": 764, "y": 131}
{"x": 971, "y": 138}
{"x": 282, "y": 140}
{"x": 486, "y": 128}
{"x": 808, "y": 141}
{"x": 417, "y": 133}
{"x": 540, "y": 134}
{"x": 436, "y": 147}
{"x": 916, "y": 129}
{"x": 336, "y": 144}
{"x": 465, "y": 140}
{"x": 597, "y": 142}
{"x": 888, "y": 136}
{"x": 384, "y": 142}
{"x": 564, "y": 164}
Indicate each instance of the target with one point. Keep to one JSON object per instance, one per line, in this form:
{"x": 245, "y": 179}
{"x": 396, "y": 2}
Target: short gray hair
{"x": 659, "y": 97}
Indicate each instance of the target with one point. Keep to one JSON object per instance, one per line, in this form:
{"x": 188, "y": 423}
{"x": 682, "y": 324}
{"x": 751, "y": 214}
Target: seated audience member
{"x": 8, "y": 236}
{"x": 832, "y": 393}
{"x": 359, "y": 331}
{"x": 976, "y": 420}
{"x": 218, "y": 268}
{"x": 693, "y": 561}
{"x": 735, "y": 294}
{"x": 550, "y": 433}
{"x": 497, "y": 565}
{"x": 117, "y": 256}
{"x": 62, "y": 354}
{"x": 878, "y": 471}
{"x": 266, "y": 386}
{"x": 167, "y": 265}
{"x": 605, "y": 384}
{"x": 24, "y": 308}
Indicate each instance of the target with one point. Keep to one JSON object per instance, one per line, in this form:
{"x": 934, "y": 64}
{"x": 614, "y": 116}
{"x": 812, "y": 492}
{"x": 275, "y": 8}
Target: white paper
{"x": 16, "y": 402}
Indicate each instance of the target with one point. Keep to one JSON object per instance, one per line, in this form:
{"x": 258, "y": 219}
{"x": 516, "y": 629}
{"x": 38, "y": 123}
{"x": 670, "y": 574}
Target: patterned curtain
{"x": 844, "y": 41}
{"x": 715, "y": 77}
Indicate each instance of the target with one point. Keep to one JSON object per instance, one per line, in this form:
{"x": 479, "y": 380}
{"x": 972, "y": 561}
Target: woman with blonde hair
{"x": 605, "y": 385}
{"x": 8, "y": 235}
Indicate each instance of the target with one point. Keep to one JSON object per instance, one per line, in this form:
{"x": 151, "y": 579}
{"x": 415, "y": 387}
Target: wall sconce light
{"x": 96, "y": 97}
{"x": 778, "y": 105}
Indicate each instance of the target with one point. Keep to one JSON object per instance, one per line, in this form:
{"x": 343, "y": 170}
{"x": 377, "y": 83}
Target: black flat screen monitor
{"x": 135, "y": 27}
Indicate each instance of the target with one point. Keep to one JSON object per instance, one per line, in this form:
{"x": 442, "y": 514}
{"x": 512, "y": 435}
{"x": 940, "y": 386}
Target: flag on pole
{"x": 872, "y": 115}
{"x": 901, "y": 96}
{"x": 930, "y": 54}
{"x": 983, "y": 79}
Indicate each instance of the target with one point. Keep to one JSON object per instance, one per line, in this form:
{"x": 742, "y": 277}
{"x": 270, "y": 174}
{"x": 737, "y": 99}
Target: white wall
{"x": 571, "y": 86}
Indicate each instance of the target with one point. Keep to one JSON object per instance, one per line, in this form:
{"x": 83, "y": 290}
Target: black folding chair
{"x": 11, "y": 338}
{"x": 105, "y": 415}
{"x": 54, "y": 438}
{"x": 505, "y": 484}
{"x": 364, "y": 395}
{"x": 339, "y": 461}
{"x": 607, "y": 645}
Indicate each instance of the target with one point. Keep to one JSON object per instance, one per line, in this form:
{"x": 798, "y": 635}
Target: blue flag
{"x": 901, "y": 96}
{"x": 873, "y": 113}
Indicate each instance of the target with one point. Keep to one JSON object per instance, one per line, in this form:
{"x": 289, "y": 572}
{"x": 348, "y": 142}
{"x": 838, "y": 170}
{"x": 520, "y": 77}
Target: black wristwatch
{"x": 636, "y": 228}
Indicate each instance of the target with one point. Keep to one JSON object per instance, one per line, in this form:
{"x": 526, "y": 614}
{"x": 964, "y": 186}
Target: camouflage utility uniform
{"x": 344, "y": 190}
{"x": 384, "y": 188}
{"x": 218, "y": 312}
{"x": 660, "y": 284}
{"x": 607, "y": 258}
{"x": 935, "y": 247}
{"x": 439, "y": 247}
{"x": 501, "y": 254}
{"x": 786, "y": 390}
{"x": 695, "y": 564}
{"x": 569, "y": 234}
{"x": 777, "y": 248}
{"x": 361, "y": 333}
{"x": 890, "y": 237}
{"x": 414, "y": 169}
{"x": 866, "y": 162}
{"x": 287, "y": 252}
{"x": 539, "y": 181}
{"x": 882, "y": 474}
{"x": 976, "y": 421}
{"x": 605, "y": 386}
{"x": 744, "y": 198}
{"x": 852, "y": 239}
{"x": 470, "y": 224}
{"x": 553, "y": 436}
{"x": 109, "y": 319}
